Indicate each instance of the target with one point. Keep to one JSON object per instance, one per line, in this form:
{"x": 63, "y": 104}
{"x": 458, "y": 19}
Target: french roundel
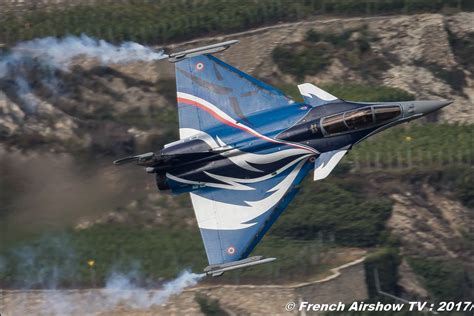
{"x": 199, "y": 66}
{"x": 231, "y": 250}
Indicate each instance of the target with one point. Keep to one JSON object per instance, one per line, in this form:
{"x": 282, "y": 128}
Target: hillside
{"x": 405, "y": 196}
{"x": 158, "y": 21}
{"x": 134, "y": 103}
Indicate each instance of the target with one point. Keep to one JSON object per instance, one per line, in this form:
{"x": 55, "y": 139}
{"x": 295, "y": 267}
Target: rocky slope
{"x": 423, "y": 52}
{"x": 430, "y": 225}
{"x": 125, "y": 108}
{"x": 94, "y": 106}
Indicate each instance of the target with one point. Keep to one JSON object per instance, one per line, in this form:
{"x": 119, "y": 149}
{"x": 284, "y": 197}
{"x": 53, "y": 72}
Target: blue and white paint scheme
{"x": 245, "y": 147}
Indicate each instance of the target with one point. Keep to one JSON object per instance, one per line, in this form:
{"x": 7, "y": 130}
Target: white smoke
{"x": 39, "y": 283}
{"x": 60, "y": 52}
{"x": 121, "y": 293}
{"x": 50, "y": 54}
{"x": 120, "y": 289}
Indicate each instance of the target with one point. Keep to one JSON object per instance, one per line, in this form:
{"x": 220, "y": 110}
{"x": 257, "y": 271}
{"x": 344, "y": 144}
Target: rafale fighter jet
{"x": 245, "y": 147}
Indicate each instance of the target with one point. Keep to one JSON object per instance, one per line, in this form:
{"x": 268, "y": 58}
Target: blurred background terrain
{"x": 404, "y": 199}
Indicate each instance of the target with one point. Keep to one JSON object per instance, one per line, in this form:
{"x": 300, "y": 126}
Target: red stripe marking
{"x": 244, "y": 128}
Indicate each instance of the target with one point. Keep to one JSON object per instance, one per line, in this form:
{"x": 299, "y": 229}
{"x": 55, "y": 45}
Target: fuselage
{"x": 204, "y": 160}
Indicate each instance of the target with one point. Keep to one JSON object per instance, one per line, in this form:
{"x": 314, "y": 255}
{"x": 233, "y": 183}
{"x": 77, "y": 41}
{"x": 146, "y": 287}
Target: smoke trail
{"x": 125, "y": 289}
{"x": 60, "y": 52}
{"x": 121, "y": 289}
{"x": 50, "y": 54}
{"x": 121, "y": 294}
{"x": 32, "y": 269}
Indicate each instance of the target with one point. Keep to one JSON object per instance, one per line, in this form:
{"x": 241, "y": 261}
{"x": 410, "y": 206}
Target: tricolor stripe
{"x": 223, "y": 117}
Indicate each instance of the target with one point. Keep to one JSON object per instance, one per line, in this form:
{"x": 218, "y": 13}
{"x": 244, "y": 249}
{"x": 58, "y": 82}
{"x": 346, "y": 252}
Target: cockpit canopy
{"x": 360, "y": 118}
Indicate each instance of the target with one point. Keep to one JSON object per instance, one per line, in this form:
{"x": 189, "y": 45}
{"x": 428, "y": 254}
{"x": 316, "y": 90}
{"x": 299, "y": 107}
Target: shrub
{"x": 306, "y": 61}
{"x": 335, "y": 211}
{"x": 385, "y": 263}
{"x": 443, "y": 279}
{"x": 317, "y": 51}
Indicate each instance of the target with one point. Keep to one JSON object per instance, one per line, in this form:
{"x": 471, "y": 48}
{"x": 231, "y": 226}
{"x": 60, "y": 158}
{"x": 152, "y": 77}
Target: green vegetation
{"x": 209, "y": 306}
{"x": 443, "y": 279}
{"x": 338, "y": 210}
{"x": 303, "y": 62}
{"x": 414, "y": 145}
{"x": 156, "y": 21}
{"x": 383, "y": 262}
{"x": 62, "y": 259}
{"x": 351, "y": 46}
{"x": 359, "y": 92}
{"x": 464, "y": 188}
{"x": 457, "y": 179}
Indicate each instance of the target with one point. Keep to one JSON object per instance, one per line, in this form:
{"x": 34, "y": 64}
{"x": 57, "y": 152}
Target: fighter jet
{"x": 245, "y": 147}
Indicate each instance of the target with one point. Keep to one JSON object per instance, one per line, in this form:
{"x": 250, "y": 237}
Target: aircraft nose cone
{"x": 425, "y": 107}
